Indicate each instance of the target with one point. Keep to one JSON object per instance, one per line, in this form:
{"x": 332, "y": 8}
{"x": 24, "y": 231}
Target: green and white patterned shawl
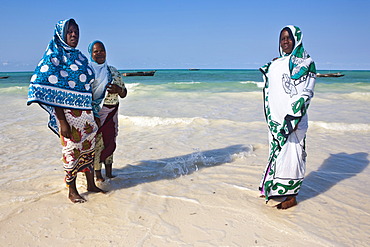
{"x": 297, "y": 86}
{"x": 300, "y": 66}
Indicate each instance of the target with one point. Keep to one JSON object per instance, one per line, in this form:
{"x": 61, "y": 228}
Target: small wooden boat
{"x": 4, "y": 77}
{"x": 140, "y": 73}
{"x": 330, "y": 75}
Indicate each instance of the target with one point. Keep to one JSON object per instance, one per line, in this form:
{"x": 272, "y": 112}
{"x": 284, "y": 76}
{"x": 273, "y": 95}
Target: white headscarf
{"x": 102, "y": 74}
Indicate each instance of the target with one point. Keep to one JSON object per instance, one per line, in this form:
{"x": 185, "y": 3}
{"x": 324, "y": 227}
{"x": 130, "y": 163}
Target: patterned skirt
{"x": 78, "y": 151}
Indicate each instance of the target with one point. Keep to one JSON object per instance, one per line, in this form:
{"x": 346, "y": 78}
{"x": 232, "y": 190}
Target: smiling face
{"x": 286, "y": 42}
{"x": 98, "y": 53}
{"x": 72, "y": 35}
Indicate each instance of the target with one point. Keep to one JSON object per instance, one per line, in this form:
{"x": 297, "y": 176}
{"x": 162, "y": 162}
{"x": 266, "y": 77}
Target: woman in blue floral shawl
{"x": 61, "y": 85}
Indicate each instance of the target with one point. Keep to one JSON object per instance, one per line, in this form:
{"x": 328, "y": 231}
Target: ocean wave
{"x": 364, "y": 96}
{"x": 361, "y": 96}
{"x": 131, "y": 87}
{"x": 343, "y": 88}
{"x": 342, "y": 127}
{"x": 257, "y": 83}
{"x": 15, "y": 89}
{"x": 187, "y": 82}
{"x": 142, "y": 121}
{"x": 149, "y": 170}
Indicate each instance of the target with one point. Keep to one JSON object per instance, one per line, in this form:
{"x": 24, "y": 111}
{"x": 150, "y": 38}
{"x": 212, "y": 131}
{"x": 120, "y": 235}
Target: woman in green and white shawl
{"x": 289, "y": 84}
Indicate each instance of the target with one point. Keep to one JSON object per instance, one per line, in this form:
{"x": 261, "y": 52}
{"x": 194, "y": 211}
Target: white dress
{"x": 286, "y": 102}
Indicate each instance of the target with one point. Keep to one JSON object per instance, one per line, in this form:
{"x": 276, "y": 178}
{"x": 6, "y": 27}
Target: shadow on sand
{"x": 336, "y": 168}
{"x": 169, "y": 168}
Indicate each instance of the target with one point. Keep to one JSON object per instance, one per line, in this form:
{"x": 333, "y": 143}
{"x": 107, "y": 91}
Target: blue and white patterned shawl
{"x": 103, "y": 77}
{"x": 62, "y": 78}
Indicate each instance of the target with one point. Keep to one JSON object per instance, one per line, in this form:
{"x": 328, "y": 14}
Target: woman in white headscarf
{"x": 289, "y": 84}
{"x": 108, "y": 85}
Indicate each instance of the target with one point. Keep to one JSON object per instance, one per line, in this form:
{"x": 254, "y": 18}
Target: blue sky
{"x": 161, "y": 34}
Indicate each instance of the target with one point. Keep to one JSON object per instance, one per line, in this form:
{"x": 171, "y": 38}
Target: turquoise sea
{"x": 202, "y": 90}
{"x": 193, "y": 143}
{"x": 217, "y": 80}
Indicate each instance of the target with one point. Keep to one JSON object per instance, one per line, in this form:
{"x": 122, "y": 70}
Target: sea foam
{"x": 342, "y": 127}
{"x": 187, "y": 82}
{"x": 131, "y": 87}
{"x": 143, "y": 121}
{"x": 257, "y": 83}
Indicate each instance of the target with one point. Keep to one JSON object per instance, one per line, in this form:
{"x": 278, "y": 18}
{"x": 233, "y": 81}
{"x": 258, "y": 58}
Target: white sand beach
{"x": 187, "y": 176}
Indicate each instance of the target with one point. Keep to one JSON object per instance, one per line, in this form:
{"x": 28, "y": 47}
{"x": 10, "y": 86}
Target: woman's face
{"x": 285, "y": 42}
{"x": 98, "y": 53}
{"x": 72, "y": 35}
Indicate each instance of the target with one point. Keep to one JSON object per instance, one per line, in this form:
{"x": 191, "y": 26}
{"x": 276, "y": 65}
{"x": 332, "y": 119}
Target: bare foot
{"x": 111, "y": 176}
{"x": 95, "y": 189}
{"x": 91, "y": 187}
{"x": 108, "y": 171}
{"x": 289, "y": 202}
{"x": 99, "y": 176}
{"x": 76, "y": 198}
{"x": 73, "y": 194}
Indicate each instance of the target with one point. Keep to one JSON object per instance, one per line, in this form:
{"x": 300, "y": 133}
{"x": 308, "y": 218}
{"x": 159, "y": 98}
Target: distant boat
{"x": 193, "y": 69}
{"x": 140, "y": 73}
{"x": 330, "y": 75}
{"x": 4, "y": 77}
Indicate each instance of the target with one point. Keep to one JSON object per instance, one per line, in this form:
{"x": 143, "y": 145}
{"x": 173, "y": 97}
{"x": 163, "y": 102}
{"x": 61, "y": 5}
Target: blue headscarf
{"x": 103, "y": 77}
{"x": 62, "y": 78}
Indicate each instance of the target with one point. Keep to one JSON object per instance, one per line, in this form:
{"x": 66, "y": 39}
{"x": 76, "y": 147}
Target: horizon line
{"x": 189, "y": 69}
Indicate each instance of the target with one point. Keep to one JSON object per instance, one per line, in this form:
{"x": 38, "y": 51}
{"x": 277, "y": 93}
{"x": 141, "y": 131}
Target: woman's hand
{"x": 97, "y": 121}
{"x": 113, "y": 88}
{"x": 65, "y": 129}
